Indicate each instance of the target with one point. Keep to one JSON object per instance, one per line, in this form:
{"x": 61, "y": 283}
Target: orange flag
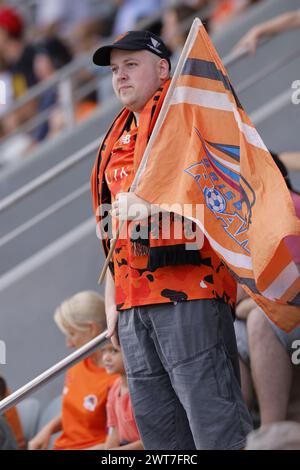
{"x": 208, "y": 152}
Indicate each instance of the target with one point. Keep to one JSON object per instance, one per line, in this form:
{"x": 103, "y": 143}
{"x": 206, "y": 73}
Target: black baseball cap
{"x": 133, "y": 41}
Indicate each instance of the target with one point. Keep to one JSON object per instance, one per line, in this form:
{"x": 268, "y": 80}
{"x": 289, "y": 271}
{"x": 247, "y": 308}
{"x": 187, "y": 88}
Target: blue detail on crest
{"x": 230, "y": 150}
{"x": 229, "y": 195}
{"x": 233, "y": 223}
{"x": 225, "y": 170}
{"x": 214, "y": 200}
{"x": 238, "y": 205}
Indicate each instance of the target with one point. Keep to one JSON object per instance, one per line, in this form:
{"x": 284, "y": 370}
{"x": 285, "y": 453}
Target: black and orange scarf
{"x": 161, "y": 252}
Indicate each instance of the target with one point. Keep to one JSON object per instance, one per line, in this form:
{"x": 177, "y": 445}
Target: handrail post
{"x": 66, "y": 97}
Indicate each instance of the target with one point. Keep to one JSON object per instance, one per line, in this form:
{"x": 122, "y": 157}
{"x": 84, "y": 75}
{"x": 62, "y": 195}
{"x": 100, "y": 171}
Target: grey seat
{"x": 29, "y": 413}
{"x": 51, "y": 411}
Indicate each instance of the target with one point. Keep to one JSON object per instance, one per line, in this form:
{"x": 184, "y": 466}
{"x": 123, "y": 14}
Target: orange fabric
{"x": 120, "y": 414}
{"x": 83, "y": 407}
{"x": 134, "y": 284}
{"x": 84, "y": 110}
{"x": 13, "y": 420}
{"x": 119, "y": 172}
{"x": 212, "y": 155}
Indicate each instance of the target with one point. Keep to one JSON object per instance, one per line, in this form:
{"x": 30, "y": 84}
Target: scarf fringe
{"x": 173, "y": 255}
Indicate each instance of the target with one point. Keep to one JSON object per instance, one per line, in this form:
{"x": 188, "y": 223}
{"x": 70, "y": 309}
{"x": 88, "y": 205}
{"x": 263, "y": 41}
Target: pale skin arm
{"x": 137, "y": 445}
{"x": 244, "y": 304}
{"x": 291, "y": 160}
{"x": 112, "y": 442}
{"x": 111, "y": 310}
{"x": 123, "y": 204}
{"x": 96, "y": 447}
{"x": 281, "y": 23}
{"x": 41, "y": 440}
{"x": 244, "y": 308}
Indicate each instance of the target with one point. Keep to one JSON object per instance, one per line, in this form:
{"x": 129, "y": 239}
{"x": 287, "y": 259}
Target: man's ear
{"x": 164, "y": 69}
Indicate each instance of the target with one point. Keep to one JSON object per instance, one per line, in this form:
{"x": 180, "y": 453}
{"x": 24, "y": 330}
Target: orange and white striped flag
{"x": 208, "y": 152}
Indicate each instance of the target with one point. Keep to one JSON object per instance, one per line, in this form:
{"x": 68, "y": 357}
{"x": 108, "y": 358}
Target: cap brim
{"x": 102, "y": 55}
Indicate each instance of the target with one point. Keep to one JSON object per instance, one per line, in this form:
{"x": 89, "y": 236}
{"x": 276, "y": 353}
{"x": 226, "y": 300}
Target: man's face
{"x": 136, "y": 75}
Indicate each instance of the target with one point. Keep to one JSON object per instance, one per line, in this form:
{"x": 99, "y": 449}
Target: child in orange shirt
{"x": 123, "y": 432}
{"x": 83, "y": 417}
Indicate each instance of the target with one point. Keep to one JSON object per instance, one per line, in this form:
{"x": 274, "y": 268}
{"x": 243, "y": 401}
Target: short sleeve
{"x": 110, "y": 408}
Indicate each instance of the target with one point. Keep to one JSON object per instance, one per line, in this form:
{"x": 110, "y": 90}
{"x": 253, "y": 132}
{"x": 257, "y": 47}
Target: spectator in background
{"x": 266, "y": 348}
{"x": 6, "y": 90}
{"x": 225, "y": 11}
{"x": 172, "y": 33}
{"x": 123, "y": 432}
{"x": 249, "y": 42}
{"x": 132, "y": 11}
{"x": 11, "y": 431}
{"x": 291, "y": 160}
{"x": 277, "y": 436}
{"x": 83, "y": 108}
{"x": 17, "y": 58}
{"x": 17, "y": 144}
{"x": 283, "y": 22}
{"x": 72, "y": 20}
{"x": 16, "y": 54}
{"x": 7, "y": 439}
{"x": 83, "y": 416}
{"x": 51, "y": 54}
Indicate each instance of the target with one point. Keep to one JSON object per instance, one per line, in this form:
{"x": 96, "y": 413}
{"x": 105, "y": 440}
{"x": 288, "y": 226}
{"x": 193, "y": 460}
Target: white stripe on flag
{"x": 208, "y": 99}
{"x": 282, "y": 283}
{"x": 216, "y": 100}
{"x": 233, "y": 166}
{"x": 250, "y": 132}
{"x": 235, "y": 259}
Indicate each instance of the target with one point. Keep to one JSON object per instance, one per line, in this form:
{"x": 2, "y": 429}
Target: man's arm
{"x": 111, "y": 310}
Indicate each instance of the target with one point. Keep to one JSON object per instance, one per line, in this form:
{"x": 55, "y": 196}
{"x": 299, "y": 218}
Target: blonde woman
{"x": 82, "y": 421}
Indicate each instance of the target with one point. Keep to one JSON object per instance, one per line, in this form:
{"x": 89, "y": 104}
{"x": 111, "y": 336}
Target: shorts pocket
{"x": 222, "y": 371}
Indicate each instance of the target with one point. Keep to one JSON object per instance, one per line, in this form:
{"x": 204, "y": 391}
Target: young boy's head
{"x": 112, "y": 359}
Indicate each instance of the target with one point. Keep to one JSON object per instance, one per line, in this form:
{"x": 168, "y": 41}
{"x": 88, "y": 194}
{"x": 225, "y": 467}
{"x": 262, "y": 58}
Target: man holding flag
{"x": 171, "y": 298}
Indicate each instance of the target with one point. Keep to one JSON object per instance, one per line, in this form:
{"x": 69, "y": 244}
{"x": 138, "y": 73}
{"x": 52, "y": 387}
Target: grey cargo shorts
{"x": 182, "y": 365}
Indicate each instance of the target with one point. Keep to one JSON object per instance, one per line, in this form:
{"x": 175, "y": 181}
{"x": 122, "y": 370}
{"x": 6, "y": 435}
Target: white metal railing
{"x": 53, "y": 372}
{"x": 49, "y": 175}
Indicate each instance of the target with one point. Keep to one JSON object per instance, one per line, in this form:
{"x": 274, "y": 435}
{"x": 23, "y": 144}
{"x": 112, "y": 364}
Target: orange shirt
{"x": 84, "y": 406}
{"x": 134, "y": 284}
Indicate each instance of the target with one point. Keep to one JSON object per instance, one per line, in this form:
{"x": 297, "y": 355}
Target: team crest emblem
{"x": 226, "y": 192}
{"x": 90, "y": 402}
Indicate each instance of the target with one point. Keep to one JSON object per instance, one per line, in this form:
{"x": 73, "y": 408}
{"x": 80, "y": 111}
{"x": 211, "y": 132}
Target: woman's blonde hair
{"x": 79, "y": 311}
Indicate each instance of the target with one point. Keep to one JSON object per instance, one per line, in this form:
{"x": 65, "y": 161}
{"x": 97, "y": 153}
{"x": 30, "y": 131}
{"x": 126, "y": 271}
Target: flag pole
{"x": 163, "y": 112}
